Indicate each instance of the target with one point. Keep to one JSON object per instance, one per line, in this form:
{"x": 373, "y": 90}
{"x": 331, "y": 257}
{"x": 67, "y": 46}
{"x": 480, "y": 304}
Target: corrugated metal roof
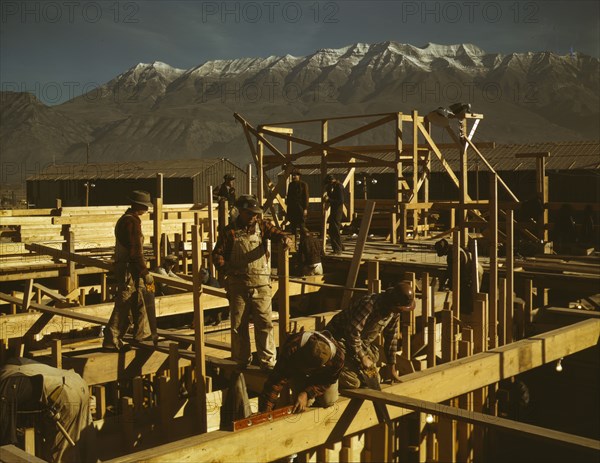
{"x": 177, "y": 168}
{"x": 563, "y": 156}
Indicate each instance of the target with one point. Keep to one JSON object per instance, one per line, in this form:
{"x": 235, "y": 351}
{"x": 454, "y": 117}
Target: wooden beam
{"x": 13, "y": 454}
{"x": 358, "y": 250}
{"x": 283, "y": 293}
{"x": 314, "y": 427}
{"x": 473, "y": 417}
{"x": 16, "y": 326}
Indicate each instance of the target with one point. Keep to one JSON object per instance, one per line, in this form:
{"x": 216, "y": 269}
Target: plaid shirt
{"x": 365, "y": 311}
{"x": 289, "y": 366}
{"x": 222, "y": 251}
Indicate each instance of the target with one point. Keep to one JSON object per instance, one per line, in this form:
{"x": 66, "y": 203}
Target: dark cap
{"x": 401, "y": 294}
{"x": 315, "y": 353}
{"x": 227, "y": 177}
{"x": 329, "y": 178}
{"x": 249, "y": 203}
{"x": 295, "y": 172}
{"x": 140, "y": 197}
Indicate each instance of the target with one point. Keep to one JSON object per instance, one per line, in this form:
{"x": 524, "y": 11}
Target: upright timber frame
{"x": 411, "y": 196}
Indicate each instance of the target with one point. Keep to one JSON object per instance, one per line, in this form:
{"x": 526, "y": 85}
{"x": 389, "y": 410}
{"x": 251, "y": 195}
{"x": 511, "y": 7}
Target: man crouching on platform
{"x": 358, "y": 328}
{"x": 310, "y": 362}
{"x": 241, "y": 255}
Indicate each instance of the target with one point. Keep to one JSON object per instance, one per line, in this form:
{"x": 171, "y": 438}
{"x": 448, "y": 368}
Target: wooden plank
{"x": 510, "y": 275}
{"x": 283, "y": 293}
{"x": 16, "y": 326}
{"x": 358, "y": 251}
{"x": 313, "y": 428}
{"x": 13, "y": 454}
{"x": 489, "y": 421}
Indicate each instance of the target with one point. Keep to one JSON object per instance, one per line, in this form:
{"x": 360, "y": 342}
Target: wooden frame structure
{"x": 411, "y": 195}
{"x": 492, "y": 342}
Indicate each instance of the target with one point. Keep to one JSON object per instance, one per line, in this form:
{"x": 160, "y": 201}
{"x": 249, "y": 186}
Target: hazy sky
{"x": 57, "y": 48}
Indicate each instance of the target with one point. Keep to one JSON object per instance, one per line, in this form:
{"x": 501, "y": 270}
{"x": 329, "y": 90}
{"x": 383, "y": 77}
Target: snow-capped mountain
{"x": 156, "y": 111}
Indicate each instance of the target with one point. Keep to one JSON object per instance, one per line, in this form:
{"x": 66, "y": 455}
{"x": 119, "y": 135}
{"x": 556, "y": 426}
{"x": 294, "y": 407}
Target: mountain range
{"x": 155, "y": 111}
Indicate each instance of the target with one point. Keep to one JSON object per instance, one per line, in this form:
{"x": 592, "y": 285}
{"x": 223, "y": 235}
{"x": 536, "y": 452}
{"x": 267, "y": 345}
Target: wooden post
{"x": 358, "y": 250}
{"x": 465, "y": 402}
{"x": 29, "y": 440}
{"x": 394, "y": 228}
{"x": 57, "y": 353}
{"x": 456, "y": 273}
{"x": 103, "y": 287}
{"x": 260, "y": 174}
{"x": 412, "y": 316}
{"x": 158, "y": 203}
{"x": 399, "y": 185}
{"x": 184, "y": 259}
{"x": 446, "y": 440}
{"x": 212, "y": 239}
{"x": 403, "y": 223}
{"x": 128, "y": 435}
{"x": 431, "y": 334}
{"x": 13, "y": 306}
{"x": 502, "y": 312}
{"x": 199, "y": 363}
{"x": 415, "y": 172}
{"x": 493, "y": 237}
{"x": 425, "y": 298}
{"x": 447, "y": 334}
{"x": 27, "y": 293}
{"x": 68, "y": 278}
{"x": 528, "y": 304}
{"x": 463, "y": 184}
{"x": 479, "y": 395}
{"x": 373, "y": 281}
{"x": 249, "y": 178}
{"x": 510, "y": 274}
{"x": 427, "y": 173}
{"x": 82, "y": 297}
{"x": 173, "y": 369}
{"x": 283, "y": 293}
{"x": 137, "y": 386}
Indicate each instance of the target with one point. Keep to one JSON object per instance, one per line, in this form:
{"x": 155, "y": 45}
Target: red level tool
{"x": 262, "y": 418}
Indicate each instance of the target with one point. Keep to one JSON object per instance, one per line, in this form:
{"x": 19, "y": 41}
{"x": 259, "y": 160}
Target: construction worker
{"x": 166, "y": 268}
{"x": 131, "y": 275}
{"x": 296, "y": 201}
{"x": 310, "y": 362}
{"x": 241, "y": 255}
{"x": 227, "y": 191}
{"x": 357, "y": 329}
{"x": 310, "y": 251}
{"x": 62, "y": 400}
{"x": 334, "y": 196}
{"x": 442, "y": 248}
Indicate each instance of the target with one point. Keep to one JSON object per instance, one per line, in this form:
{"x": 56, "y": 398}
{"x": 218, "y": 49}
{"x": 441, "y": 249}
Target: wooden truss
{"x": 411, "y": 194}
